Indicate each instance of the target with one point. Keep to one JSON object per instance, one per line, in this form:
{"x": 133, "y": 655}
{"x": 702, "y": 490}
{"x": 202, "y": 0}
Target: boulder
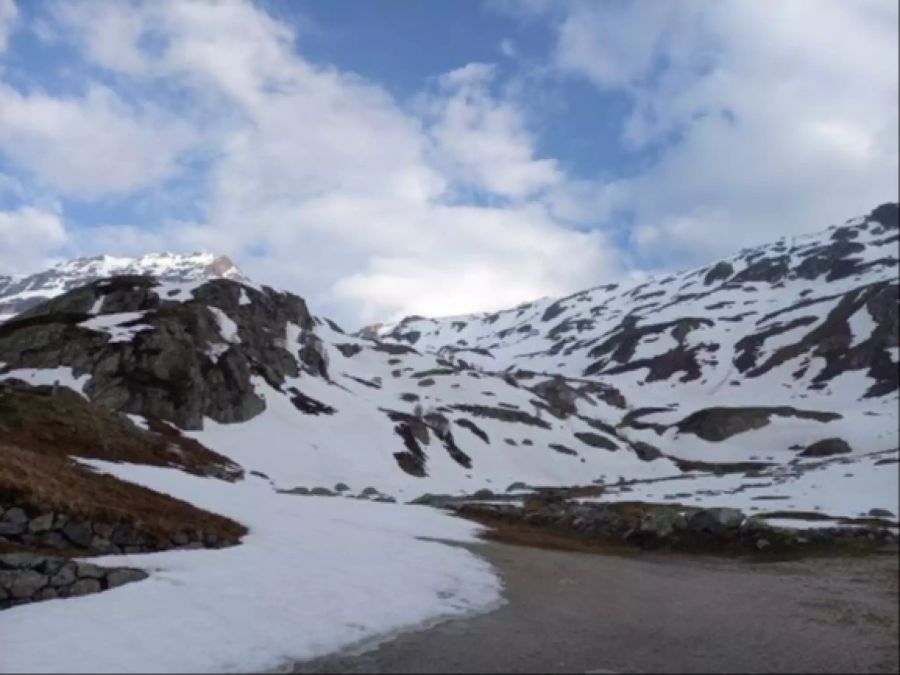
{"x": 715, "y": 521}
{"x": 827, "y": 447}
{"x": 15, "y": 515}
{"x": 662, "y": 522}
{"x": 119, "y": 577}
{"x": 88, "y": 571}
{"x": 22, "y": 583}
{"x": 79, "y": 533}
{"x": 65, "y": 576}
{"x": 83, "y": 587}
{"x": 41, "y": 523}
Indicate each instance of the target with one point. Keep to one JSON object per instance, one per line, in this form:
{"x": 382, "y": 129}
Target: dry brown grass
{"x": 49, "y": 482}
{"x": 521, "y": 534}
{"x": 66, "y": 424}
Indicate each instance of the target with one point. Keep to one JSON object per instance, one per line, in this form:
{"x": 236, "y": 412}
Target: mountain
{"x": 770, "y": 375}
{"x": 18, "y": 293}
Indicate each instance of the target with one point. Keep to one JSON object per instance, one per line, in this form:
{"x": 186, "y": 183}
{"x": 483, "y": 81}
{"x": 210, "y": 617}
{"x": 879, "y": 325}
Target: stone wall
{"x": 27, "y": 577}
{"x": 21, "y": 525}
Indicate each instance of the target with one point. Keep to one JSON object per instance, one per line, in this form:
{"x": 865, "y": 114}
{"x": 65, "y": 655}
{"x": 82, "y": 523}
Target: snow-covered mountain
{"x": 780, "y": 362}
{"x": 18, "y": 293}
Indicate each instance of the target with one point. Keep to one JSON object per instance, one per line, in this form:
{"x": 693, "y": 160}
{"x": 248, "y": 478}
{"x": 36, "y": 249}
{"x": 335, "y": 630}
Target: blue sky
{"x": 383, "y": 158}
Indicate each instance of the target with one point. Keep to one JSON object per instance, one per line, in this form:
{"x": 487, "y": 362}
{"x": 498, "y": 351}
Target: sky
{"x": 386, "y": 158}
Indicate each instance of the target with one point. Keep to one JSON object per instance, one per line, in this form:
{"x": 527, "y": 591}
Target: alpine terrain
{"x": 155, "y": 405}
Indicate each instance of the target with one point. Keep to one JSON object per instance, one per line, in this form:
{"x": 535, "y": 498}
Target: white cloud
{"x": 767, "y": 118}
{"x": 91, "y": 145}
{"x": 8, "y": 15}
{"x": 324, "y": 184}
{"x": 482, "y": 141}
{"x": 30, "y": 237}
{"x": 773, "y": 118}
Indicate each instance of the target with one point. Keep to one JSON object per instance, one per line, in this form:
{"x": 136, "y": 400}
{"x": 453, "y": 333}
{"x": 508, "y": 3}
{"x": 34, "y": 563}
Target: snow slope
{"x": 704, "y": 387}
{"x": 313, "y": 576}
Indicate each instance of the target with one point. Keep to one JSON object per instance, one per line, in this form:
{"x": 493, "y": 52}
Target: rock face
{"x": 703, "y": 323}
{"x": 178, "y": 364}
{"x": 27, "y": 577}
{"x": 760, "y": 353}
{"x": 718, "y": 424}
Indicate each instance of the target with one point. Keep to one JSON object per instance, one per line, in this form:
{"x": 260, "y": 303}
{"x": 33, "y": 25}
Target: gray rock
{"x": 102, "y": 546}
{"x": 192, "y": 546}
{"x": 321, "y": 492}
{"x": 483, "y": 493}
{"x": 827, "y": 447}
{"x": 180, "y": 539}
{"x": 15, "y": 515}
{"x": 41, "y": 523}
{"x": 125, "y": 535}
{"x": 762, "y": 544}
{"x": 341, "y": 487}
{"x": 880, "y": 513}
{"x": 65, "y": 576}
{"x": 645, "y": 451}
{"x": 104, "y": 530}
{"x": 54, "y": 539}
{"x": 368, "y": 492}
{"x": 715, "y": 521}
{"x": 22, "y": 583}
{"x": 48, "y": 593}
{"x": 79, "y": 533}
{"x": 89, "y": 571}
{"x": 83, "y": 587}
{"x": 662, "y": 522}
{"x": 124, "y": 575}
{"x": 13, "y": 529}
{"x": 295, "y": 491}
{"x": 21, "y": 561}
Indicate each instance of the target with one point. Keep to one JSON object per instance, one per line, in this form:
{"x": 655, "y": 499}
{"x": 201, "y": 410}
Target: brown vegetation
{"x": 64, "y": 423}
{"x": 42, "y": 483}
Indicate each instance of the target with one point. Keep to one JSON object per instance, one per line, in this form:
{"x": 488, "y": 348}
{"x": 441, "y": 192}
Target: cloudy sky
{"x": 385, "y": 158}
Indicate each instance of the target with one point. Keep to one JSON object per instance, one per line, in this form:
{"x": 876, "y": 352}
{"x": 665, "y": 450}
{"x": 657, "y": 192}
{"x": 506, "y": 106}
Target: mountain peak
{"x": 20, "y": 293}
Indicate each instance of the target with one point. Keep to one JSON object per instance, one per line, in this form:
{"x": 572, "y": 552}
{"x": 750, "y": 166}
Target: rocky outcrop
{"x": 827, "y": 447}
{"x": 28, "y": 577}
{"x": 186, "y": 360}
{"x": 663, "y": 526}
{"x": 718, "y": 424}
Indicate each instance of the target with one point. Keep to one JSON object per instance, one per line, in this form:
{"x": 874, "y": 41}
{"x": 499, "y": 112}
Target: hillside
{"x": 780, "y": 360}
{"x": 143, "y": 416}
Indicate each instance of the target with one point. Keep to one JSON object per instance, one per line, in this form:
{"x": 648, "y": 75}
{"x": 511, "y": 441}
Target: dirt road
{"x": 577, "y": 612}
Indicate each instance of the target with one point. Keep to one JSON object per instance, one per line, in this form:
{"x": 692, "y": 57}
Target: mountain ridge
{"x": 19, "y": 293}
{"x": 653, "y": 381}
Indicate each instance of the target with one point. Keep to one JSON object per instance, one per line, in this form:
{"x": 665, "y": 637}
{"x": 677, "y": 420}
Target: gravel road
{"x": 577, "y": 612}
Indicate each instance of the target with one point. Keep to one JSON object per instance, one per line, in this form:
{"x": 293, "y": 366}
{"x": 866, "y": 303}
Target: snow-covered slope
{"x": 740, "y": 366}
{"x": 18, "y": 293}
{"x": 767, "y": 382}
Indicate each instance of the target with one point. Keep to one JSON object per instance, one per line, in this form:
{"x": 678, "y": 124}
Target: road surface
{"x": 579, "y": 612}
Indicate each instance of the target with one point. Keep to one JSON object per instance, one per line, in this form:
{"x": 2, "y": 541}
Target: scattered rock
{"x": 83, "y": 587}
{"x": 715, "y": 521}
{"x": 123, "y": 576}
{"x": 79, "y": 533}
{"x": 827, "y": 447}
